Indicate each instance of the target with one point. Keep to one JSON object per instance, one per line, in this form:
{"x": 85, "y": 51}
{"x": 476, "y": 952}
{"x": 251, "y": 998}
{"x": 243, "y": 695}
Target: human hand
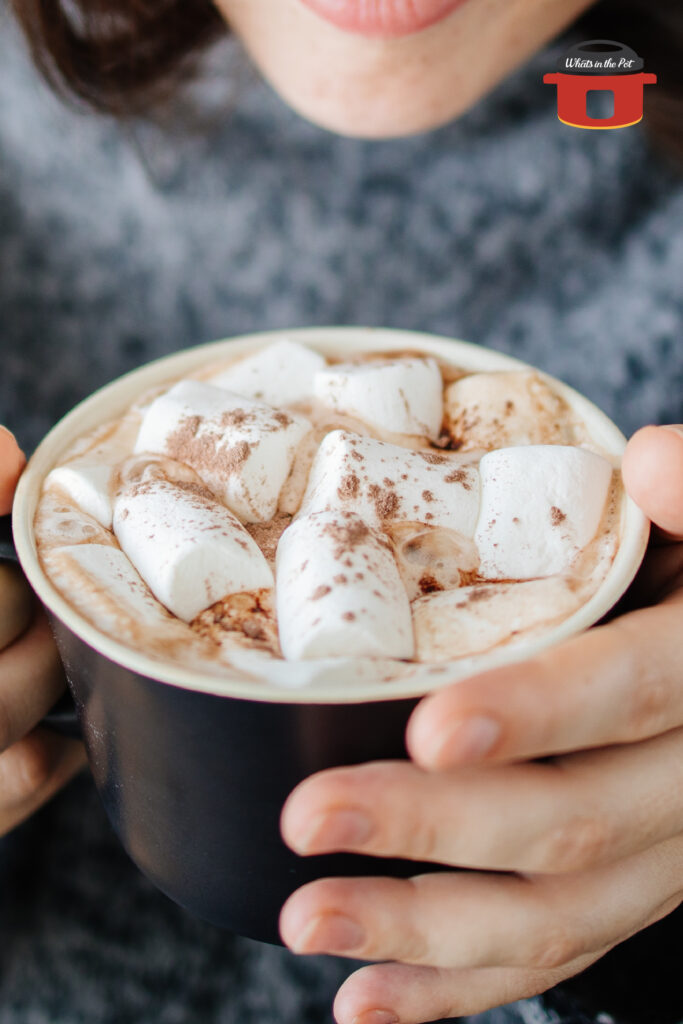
{"x": 571, "y": 855}
{"x": 34, "y": 762}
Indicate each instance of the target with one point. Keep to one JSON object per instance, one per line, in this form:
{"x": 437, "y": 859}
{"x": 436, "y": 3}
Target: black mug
{"x": 194, "y": 769}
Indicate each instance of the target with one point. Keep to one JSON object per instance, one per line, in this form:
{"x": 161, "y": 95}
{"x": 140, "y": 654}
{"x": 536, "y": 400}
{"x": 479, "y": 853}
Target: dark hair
{"x": 120, "y": 56}
{"x": 117, "y": 56}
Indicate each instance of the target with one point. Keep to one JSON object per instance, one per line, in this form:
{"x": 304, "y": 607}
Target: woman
{"x": 479, "y": 229}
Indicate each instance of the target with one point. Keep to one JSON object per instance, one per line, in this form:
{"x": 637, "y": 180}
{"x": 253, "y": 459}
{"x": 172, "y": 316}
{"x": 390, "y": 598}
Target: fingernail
{"x": 332, "y": 830}
{"x": 376, "y": 1017}
{"x": 328, "y": 933}
{"x": 468, "y": 740}
{"x": 674, "y": 428}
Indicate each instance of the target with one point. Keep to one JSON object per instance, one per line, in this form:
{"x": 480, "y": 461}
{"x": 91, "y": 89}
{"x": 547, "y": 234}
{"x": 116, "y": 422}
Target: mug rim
{"x": 232, "y": 682}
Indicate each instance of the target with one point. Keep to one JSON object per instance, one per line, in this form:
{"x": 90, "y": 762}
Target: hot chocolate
{"x": 390, "y": 513}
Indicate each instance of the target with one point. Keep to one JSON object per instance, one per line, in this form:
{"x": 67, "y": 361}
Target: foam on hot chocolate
{"x": 496, "y": 410}
{"x": 285, "y": 508}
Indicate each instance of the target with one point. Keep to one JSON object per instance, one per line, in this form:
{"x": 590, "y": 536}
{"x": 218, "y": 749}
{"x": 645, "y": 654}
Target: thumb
{"x": 652, "y": 470}
{"x": 12, "y": 461}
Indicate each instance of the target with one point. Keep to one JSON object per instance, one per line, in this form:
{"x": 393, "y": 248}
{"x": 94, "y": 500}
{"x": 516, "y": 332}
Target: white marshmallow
{"x": 540, "y": 505}
{"x": 402, "y": 396}
{"x": 383, "y": 483}
{"x": 339, "y": 593}
{"x": 511, "y": 407}
{"x": 104, "y": 587}
{"x": 189, "y": 549}
{"x": 242, "y": 450}
{"x": 468, "y": 620}
{"x": 88, "y": 485}
{"x": 281, "y": 374}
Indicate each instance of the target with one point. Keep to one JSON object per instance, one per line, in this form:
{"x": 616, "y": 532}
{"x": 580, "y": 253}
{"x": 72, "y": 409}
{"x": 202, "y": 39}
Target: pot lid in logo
{"x": 600, "y": 57}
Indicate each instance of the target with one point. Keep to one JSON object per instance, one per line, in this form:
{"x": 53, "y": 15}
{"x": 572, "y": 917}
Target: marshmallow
{"x": 383, "y": 482}
{"x": 104, "y": 587}
{"x": 498, "y": 410}
{"x": 402, "y": 396}
{"x": 469, "y": 620}
{"x": 281, "y": 374}
{"x": 242, "y": 450}
{"x": 60, "y": 523}
{"x": 540, "y": 505}
{"x": 339, "y": 593}
{"x": 189, "y": 549}
{"x": 88, "y": 485}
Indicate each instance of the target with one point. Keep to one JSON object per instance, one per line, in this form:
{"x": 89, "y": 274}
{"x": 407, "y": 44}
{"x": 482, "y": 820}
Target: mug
{"x": 193, "y": 769}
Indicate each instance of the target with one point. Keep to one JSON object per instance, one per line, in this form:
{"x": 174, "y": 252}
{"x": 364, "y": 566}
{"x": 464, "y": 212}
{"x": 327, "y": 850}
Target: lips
{"x": 384, "y": 18}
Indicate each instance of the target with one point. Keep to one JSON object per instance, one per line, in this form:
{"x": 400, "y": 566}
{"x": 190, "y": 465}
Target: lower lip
{"x": 383, "y": 18}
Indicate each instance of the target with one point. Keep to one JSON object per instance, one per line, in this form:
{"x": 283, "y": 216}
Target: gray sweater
{"x": 230, "y": 214}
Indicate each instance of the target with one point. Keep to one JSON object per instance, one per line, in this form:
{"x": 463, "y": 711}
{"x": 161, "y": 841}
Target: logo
{"x": 600, "y": 85}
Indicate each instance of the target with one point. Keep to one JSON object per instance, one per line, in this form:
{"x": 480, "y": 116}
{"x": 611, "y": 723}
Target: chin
{"x": 379, "y": 117}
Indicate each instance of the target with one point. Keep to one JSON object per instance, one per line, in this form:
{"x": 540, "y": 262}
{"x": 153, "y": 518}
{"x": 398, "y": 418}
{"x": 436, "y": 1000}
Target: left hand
{"x": 580, "y": 851}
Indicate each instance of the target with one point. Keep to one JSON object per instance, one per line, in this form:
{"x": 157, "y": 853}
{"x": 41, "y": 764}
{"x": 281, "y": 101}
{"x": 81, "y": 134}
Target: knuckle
{"x": 572, "y": 846}
{"x": 32, "y": 768}
{"x": 648, "y": 708}
{"x": 346, "y": 783}
{"x": 423, "y": 840}
{"x": 414, "y": 944}
{"x": 558, "y": 947}
{"x": 5, "y": 725}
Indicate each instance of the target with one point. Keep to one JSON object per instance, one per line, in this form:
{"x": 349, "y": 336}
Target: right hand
{"x": 34, "y": 762}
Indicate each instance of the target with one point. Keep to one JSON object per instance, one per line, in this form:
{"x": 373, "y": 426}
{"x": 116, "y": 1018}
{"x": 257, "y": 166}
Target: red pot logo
{"x": 603, "y": 71}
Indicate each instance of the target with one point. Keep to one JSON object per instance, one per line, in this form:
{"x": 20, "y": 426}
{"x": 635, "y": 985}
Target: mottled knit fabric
{"x": 231, "y": 214}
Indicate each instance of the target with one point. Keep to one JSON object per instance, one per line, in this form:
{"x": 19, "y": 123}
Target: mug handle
{"x": 62, "y": 717}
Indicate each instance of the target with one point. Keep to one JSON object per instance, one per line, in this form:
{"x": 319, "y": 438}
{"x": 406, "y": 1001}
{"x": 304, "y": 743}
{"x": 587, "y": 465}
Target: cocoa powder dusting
{"x": 387, "y": 502}
{"x": 207, "y": 451}
{"x": 557, "y": 516}
{"x": 348, "y": 488}
{"x": 458, "y": 476}
{"x": 347, "y": 536}
{"x": 348, "y": 616}
{"x": 321, "y": 591}
{"x": 234, "y": 418}
{"x": 427, "y": 496}
{"x": 267, "y": 535}
{"x": 429, "y": 584}
{"x": 432, "y": 458}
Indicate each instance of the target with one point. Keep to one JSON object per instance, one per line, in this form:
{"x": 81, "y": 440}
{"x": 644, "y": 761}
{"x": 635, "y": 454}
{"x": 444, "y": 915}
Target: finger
{"x": 12, "y": 462}
{"x": 617, "y": 683}
{"x": 16, "y": 603}
{"x": 31, "y": 680}
{"x": 394, "y": 993}
{"x": 465, "y": 920}
{"x": 410, "y": 994}
{"x": 32, "y": 771}
{"x": 576, "y": 813}
{"x": 652, "y": 471}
